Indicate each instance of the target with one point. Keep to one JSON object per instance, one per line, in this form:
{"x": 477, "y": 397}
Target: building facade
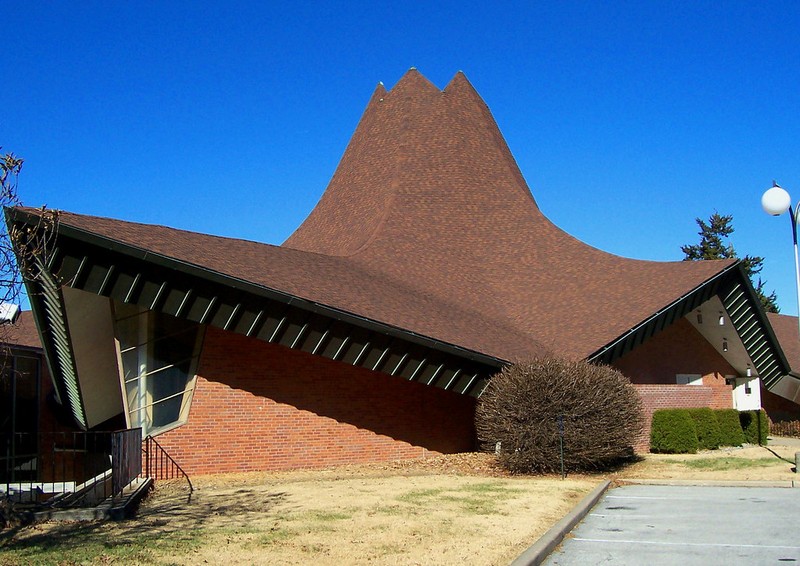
{"x": 369, "y": 334}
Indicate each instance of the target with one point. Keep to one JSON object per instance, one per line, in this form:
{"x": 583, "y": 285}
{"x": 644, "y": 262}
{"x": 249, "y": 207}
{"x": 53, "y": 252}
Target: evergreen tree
{"x": 714, "y": 245}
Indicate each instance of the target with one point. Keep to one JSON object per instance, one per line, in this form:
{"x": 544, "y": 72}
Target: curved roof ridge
{"x": 412, "y": 143}
{"x": 429, "y": 194}
{"x": 360, "y": 193}
{"x": 332, "y": 281}
{"x": 428, "y": 225}
{"x": 461, "y": 88}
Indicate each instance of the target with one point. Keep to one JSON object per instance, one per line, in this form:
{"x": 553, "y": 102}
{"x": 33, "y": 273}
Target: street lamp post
{"x": 776, "y": 201}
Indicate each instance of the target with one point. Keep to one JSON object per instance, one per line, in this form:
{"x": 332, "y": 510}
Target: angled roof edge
{"x": 754, "y": 329}
{"x": 786, "y": 330}
{"x": 48, "y": 310}
{"x": 656, "y": 322}
{"x": 143, "y": 254}
{"x": 739, "y": 298}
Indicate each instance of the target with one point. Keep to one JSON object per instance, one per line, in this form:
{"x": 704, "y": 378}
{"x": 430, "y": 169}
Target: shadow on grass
{"x": 589, "y": 467}
{"x": 167, "y": 521}
{"x": 794, "y": 467}
{"x": 621, "y": 463}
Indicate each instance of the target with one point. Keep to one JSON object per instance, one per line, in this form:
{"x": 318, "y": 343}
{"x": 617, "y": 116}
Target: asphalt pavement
{"x": 687, "y": 525}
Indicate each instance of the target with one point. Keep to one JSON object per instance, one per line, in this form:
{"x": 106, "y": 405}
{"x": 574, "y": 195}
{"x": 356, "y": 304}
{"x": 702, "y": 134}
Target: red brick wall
{"x": 258, "y": 406}
{"x": 666, "y": 396}
{"x": 679, "y": 349}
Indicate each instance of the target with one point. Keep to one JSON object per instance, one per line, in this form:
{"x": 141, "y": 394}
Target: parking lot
{"x": 687, "y": 525}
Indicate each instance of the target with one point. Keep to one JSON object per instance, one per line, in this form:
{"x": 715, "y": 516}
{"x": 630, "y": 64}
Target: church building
{"x": 368, "y": 335}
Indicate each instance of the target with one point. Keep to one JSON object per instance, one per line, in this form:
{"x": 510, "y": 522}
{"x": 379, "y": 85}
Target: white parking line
{"x": 623, "y": 517}
{"x": 643, "y": 497}
{"x": 658, "y": 543}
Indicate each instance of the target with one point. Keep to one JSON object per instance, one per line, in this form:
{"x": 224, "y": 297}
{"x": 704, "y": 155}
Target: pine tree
{"x": 714, "y": 245}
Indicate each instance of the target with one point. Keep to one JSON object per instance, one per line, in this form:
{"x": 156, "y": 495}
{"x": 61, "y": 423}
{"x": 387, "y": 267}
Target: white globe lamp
{"x": 776, "y": 200}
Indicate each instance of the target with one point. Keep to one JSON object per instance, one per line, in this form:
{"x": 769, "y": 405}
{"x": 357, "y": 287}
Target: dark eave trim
{"x": 776, "y": 364}
{"x": 653, "y": 324}
{"x": 133, "y": 275}
{"x": 48, "y": 309}
{"x": 266, "y": 292}
{"x": 734, "y": 289}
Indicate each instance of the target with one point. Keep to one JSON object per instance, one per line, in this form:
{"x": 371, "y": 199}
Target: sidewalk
{"x": 784, "y": 441}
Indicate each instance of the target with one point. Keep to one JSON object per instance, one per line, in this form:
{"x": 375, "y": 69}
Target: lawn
{"x": 403, "y": 514}
{"x": 457, "y": 509}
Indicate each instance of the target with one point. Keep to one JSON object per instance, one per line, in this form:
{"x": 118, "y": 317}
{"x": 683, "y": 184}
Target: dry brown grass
{"x": 750, "y": 463}
{"x": 458, "y": 509}
{"x": 452, "y": 510}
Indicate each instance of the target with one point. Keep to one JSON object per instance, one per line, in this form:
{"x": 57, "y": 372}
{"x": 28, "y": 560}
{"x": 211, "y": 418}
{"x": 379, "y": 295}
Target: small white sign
{"x": 8, "y": 313}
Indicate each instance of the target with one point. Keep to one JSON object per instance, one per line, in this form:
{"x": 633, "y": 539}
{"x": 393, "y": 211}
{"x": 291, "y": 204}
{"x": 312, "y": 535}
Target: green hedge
{"x": 755, "y": 425}
{"x": 684, "y": 431}
{"x": 730, "y": 427}
{"x": 673, "y": 431}
{"x": 709, "y": 435}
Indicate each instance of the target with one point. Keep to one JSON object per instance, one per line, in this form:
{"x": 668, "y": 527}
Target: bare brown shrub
{"x": 24, "y": 249}
{"x": 519, "y": 412}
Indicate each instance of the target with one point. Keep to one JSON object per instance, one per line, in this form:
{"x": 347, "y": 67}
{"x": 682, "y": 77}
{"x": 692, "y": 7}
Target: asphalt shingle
{"x": 428, "y": 225}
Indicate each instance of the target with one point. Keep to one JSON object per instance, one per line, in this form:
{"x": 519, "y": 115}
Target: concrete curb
{"x": 713, "y": 483}
{"x": 542, "y": 548}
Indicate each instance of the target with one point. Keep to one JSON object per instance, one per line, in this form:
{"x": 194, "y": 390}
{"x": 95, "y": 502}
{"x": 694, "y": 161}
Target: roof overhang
{"x": 733, "y": 288}
{"x": 106, "y": 267}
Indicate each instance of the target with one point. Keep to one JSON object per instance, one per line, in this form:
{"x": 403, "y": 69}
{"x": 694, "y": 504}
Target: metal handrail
{"x": 68, "y": 467}
{"x": 159, "y": 465}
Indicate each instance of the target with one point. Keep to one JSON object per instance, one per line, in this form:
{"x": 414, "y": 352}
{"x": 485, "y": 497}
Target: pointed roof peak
{"x": 460, "y": 82}
{"x": 414, "y": 81}
{"x": 414, "y": 143}
{"x": 378, "y": 94}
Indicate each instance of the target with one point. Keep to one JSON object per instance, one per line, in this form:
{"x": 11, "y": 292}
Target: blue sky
{"x": 627, "y": 119}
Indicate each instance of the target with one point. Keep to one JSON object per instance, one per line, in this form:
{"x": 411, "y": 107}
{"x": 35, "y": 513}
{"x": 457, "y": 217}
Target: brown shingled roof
{"x": 429, "y": 226}
{"x": 429, "y": 194}
{"x": 22, "y": 333}
{"x": 788, "y": 334}
{"x": 328, "y": 280}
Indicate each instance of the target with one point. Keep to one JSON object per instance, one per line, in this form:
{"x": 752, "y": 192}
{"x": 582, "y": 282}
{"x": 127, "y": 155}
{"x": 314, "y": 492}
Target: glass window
{"x": 19, "y": 417}
{"x": 158, "y": 356}
{"x": 19, "y": 394}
